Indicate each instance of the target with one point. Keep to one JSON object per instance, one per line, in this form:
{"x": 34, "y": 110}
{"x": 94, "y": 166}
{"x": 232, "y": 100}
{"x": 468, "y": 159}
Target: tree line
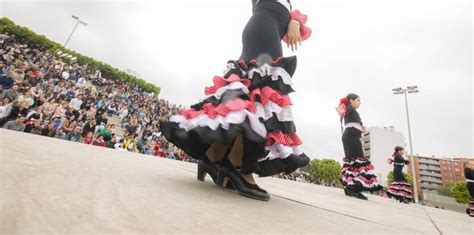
{"x": 26, "y": 36}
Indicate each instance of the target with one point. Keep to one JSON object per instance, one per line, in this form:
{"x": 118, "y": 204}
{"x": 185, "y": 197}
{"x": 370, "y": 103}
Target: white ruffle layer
{"x": 274, "y": 72}
{"x": 236, "y": 117}
{"x": 281, "y": 151}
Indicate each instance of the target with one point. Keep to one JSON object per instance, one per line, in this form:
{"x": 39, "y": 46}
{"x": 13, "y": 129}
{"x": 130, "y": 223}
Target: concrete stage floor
{"x": 52, "y": 186}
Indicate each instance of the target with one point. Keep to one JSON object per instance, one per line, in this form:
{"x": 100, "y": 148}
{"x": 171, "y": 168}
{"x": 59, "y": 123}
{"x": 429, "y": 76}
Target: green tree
{"x": 446, "y": 190}
{"x": 460, "y": 193}
{"x": 325, "y": 170}
{"x": 408, "y": 177}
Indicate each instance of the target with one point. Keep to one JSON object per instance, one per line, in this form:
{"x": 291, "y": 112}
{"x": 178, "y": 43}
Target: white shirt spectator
{"x": 33, "y": 112}
{"x": 81, "y": 82}
{"x": 5, "y": 110}
{"x": 123, "y": 113}
{"x": 59, "y": 89}
{"x": 29, "y": 101}
{"x": 19, "y": 77}
{"x": 98, "y": 74}
{"x": 36, "y": 92}
{"x": 65, "y": 75}
{"x": 75, "y": 104}
{"x": 119, "y": 147}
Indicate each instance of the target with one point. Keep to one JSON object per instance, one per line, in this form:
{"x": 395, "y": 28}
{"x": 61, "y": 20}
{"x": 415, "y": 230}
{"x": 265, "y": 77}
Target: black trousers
{"x": 352, "y": 144}
{"x": 262, "y": 35}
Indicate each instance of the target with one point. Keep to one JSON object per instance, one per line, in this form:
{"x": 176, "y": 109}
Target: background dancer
{"x": 400, "y": 189}
{"x": 357, "y": 170}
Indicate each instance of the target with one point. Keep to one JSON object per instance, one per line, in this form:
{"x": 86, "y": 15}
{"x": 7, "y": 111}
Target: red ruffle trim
{"x": 220, "y": 82}
{"x": 267, "y": 94}
{"x": 284, "y": 139}
{"x": 220, "y": 110}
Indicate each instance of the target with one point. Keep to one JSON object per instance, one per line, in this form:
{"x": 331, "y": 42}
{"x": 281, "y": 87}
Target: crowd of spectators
{"x": 43, "y": 94}
{"x": 298, "y": 176}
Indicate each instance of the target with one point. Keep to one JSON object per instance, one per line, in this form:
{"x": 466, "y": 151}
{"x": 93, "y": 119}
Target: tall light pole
{"x": 410, "y": 90}
{"x": 78, "y": 22}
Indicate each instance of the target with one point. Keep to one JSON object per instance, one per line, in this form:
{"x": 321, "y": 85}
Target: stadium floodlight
{"x": 78, "y": 22}
{"x": 397, "y": 89}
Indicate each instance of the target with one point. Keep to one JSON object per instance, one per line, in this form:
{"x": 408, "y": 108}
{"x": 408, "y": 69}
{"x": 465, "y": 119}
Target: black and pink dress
{"x": 357, "y": 171}
{"x": 400, "y": 189}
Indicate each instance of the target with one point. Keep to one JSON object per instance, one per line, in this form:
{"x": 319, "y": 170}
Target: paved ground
{"x": 54, "y": 186}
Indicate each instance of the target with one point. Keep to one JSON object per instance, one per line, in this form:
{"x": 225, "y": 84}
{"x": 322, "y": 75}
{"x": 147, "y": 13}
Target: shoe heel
{"x": 201, "y": 172}
{"x": 226, "y": 183}
{"x": 221, "y": 179}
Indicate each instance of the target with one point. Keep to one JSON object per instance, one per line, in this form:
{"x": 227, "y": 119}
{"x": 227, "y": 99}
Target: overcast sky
{"x": 366, "y": 47}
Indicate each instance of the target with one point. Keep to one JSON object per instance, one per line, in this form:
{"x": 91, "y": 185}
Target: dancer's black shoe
{"x": 228, "y": 174}
{"x": 360, "y": 196}
{"x": 348, "y": 192}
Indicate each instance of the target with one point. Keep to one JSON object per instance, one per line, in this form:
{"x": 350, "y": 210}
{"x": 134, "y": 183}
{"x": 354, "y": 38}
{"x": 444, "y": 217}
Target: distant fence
{"x": 443, "y": 202}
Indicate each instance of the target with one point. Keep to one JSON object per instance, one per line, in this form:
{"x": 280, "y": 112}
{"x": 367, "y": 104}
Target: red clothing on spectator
{"x": 97, "y": 143}
{"x": 87, "y": 140}
{"x": 158, "y": 151}
{"x": 35, "y": 73}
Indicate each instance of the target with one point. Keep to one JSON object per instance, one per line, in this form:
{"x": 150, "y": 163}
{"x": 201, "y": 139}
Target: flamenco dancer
{"x": 245, "y": 125}
{"x": 400, "y": 189}
{"x": 469, "y": 174}
{"x": 357, "y": 170}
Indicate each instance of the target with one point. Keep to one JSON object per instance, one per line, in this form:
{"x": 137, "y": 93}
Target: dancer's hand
{"x": 294, "y": 35}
